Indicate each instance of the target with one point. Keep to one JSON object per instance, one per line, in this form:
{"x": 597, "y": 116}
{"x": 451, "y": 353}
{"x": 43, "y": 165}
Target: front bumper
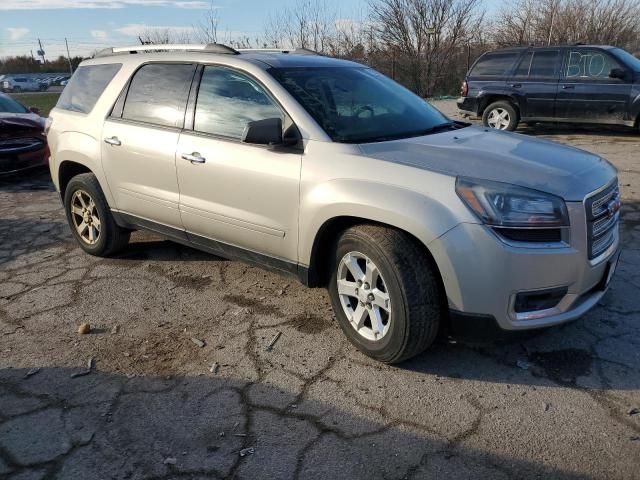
{"x": 483, "y": 275}
{"x": 16, "y": 162}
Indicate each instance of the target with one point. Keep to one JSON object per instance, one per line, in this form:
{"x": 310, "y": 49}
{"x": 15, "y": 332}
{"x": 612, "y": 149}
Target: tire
{"x": 501, "y": 115}
{"x": 409, "y": 279}
{"x": 17, "y": 89}
{"x": 82, "y": 190}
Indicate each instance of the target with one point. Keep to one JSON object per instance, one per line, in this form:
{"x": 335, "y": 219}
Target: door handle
{"x": 567, "y": 87}
{"x": 113, "y": 141}
{"x": 516, "y": 85}
{"x": 194, "y": 157}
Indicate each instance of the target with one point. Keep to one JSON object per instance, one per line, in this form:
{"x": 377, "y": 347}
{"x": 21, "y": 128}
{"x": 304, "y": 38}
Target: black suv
{"x": 577, "y": 84}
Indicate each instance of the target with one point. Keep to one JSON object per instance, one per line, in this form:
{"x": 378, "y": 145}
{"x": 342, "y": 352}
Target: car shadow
{"x": 109, "y": 425}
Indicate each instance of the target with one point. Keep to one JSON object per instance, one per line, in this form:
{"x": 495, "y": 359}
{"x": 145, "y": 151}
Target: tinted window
{"x": 9, "y": 105}
{"x": 227, "y": 101}
{"x": 158, "y": 94}
{"x": 358, "y": 105}
{"x": 545, "y": 64}
{"x": 86, "y": 86}
{"x": 524, "y": 66}
{"x": 586, "y": 64}
{"x": 494, "y": 64}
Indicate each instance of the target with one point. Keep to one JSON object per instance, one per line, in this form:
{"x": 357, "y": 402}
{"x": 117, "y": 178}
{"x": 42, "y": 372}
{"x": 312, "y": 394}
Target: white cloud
{"x": 88, "y": 4}
{"x": 99, "y": 34}
{"x": 16, "y": 33}
{"x": 135, "y": 29}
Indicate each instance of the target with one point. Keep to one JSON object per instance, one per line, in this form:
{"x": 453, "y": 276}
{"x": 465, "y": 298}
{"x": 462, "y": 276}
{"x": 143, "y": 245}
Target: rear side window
{"x": 85, "y": 87}
{"x": 540, "y": 64}
{"x": 494, "y": 64}
{"x": 158, "y": 94}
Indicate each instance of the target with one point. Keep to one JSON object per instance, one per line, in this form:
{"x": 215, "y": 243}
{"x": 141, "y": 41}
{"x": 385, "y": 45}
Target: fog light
{"x": 539, "y": 299}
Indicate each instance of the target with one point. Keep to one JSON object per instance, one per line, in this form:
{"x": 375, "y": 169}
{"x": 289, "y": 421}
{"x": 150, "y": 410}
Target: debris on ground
{"x": 523, "y": 364}
{"x": 115, "y": 329}
{"x": 91, "y": 363}
{"x": 247, "y": 451}
{"x": 198, "y": 342}
{"x": 273, "y": 341}
{"x": 84, "y": 328}
{"x": 214, "y": 367}
{"x": 634, "y": 411}
{"x": 170, "y": 461}
{"x": 546, "y": 406}
{"x": 32, "y": 372}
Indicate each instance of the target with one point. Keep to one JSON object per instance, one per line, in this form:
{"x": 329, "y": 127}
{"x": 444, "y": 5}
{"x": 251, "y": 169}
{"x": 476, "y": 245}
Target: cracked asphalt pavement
{"x": 562, "y": 403}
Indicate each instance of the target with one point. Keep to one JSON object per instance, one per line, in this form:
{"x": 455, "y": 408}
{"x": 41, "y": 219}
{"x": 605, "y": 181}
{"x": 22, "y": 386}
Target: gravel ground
{"x": 558, "y": 404}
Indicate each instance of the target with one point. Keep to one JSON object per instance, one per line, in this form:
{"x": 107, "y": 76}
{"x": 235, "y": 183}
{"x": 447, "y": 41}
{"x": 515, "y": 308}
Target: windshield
{"x": 9, "y": 105}
{"x": 631, "y": 61}
{"x": 359, "y": 105}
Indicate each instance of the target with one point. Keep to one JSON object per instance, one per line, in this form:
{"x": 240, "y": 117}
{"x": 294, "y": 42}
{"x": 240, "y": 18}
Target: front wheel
{"x": 385, "y": 292}
{"x": 90, "y": 218}
{"x": 501, "y": 115}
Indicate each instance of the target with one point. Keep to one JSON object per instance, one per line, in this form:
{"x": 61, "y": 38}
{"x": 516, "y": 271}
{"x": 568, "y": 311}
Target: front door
{"x": 535, "y": 82}
{"x": 238, "y": 195}
{"x": 140, "y": 139}
{"x": 587, "y": 92}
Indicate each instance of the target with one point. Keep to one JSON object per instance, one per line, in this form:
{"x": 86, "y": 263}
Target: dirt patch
{"x": 567, "y": 364}
{"x": 310, "y": 323}
{"x": 256, "y": 306}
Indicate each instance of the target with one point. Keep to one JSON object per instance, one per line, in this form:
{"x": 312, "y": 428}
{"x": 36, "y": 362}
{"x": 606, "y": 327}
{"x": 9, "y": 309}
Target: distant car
{"x": 575, "y": 84}
{"x": 20, "y": 84}
{"x": 23, "y": 144}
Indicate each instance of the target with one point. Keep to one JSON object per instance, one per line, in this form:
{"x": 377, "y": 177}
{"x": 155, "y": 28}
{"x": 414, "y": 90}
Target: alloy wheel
{"x": 84, "y": 214}
{"x": 364, "y": 296}
{"x": 499, "y": 119}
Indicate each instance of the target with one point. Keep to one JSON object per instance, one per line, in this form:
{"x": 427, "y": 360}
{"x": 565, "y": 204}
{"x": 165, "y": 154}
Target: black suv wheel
{"x": 501, "y": 115}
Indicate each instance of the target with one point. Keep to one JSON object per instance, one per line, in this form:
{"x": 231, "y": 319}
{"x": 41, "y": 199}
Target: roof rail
{"x": 208, "y": 48}
{"x": 294, "y": 51}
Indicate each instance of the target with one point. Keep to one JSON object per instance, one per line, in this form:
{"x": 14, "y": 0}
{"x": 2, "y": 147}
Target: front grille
{"x": 20, "y": 144}
{"x": 602, "y": 219}
{"x": 532, "y": 235}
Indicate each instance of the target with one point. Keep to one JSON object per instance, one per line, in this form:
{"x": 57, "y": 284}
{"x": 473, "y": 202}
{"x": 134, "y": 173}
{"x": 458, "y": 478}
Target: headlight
{"x": 505, "y": 205}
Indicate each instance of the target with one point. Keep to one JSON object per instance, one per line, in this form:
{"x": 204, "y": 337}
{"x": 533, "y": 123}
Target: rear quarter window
{"x": 494, "y": 64}
{"x": 85, "y": 87}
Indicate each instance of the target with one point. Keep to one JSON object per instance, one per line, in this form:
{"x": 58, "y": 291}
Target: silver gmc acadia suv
{"x": 330, "y": 171}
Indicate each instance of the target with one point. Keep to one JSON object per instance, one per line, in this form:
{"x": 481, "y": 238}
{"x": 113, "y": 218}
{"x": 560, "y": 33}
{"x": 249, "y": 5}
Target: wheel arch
{"x": 497, "y": 97}
{"x": 67, "y": 170}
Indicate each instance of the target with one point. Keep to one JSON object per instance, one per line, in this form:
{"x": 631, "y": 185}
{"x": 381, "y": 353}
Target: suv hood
{"x": 521, "y": 160}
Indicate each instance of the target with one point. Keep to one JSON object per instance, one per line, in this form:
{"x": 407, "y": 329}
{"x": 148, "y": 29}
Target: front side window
{"x": 228, "y": 100}
{"x": 85, "y": 87}
{"x": 494, "y": 64}
{"x": 589, "y": 65}
{"x": 358, "y": 104}
{"x": 158, "y": 94}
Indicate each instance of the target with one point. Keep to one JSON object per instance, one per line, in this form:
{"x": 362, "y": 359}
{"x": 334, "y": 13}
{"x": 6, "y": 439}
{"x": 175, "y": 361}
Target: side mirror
{"x": 35, "y": 110}
{"x": 618, "y": 73}
{"x": 263, "y": 132}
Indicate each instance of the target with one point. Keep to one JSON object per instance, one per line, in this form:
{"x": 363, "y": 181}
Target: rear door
{"x": 535, "y": 82}
{"x": 140, "y": 139}
{"x": 490, "y": 72}
{"x": 587, "y": 93}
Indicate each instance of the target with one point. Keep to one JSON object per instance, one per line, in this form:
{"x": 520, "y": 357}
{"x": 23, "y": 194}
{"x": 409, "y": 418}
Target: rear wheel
{"x": 501, "y": 115}
{"x": 90, "y": 218}
{"x": 385, "y": 293}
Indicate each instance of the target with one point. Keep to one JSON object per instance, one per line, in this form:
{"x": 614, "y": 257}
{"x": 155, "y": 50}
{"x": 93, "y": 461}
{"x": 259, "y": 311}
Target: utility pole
{"x": 68, "y": 56}
{"x": 41, "y": 51}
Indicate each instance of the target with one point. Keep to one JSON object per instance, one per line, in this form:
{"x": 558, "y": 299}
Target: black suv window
{"x": 539, "y": 64}
{"x": 86, "y": 86}
{"x": 228, "y": 100}
{"x": 494, "y": 64}
{"x": 586, "y": 64}
{"x": 158, "y": 94}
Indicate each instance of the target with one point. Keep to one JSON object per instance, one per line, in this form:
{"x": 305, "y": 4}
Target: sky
{"x": 93, "y": 24}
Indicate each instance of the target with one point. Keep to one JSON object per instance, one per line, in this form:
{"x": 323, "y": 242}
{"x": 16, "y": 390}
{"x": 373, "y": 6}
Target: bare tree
{"x": 163, "y": 36}
{"x": 207, "y": 28}
{"x": 308, "y": 24}
{"x": 427, "y": 35}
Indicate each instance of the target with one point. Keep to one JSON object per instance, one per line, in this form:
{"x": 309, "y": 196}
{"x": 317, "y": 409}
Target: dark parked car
{"x": 23, "y": 143}
{"x": 576, "y": 84}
